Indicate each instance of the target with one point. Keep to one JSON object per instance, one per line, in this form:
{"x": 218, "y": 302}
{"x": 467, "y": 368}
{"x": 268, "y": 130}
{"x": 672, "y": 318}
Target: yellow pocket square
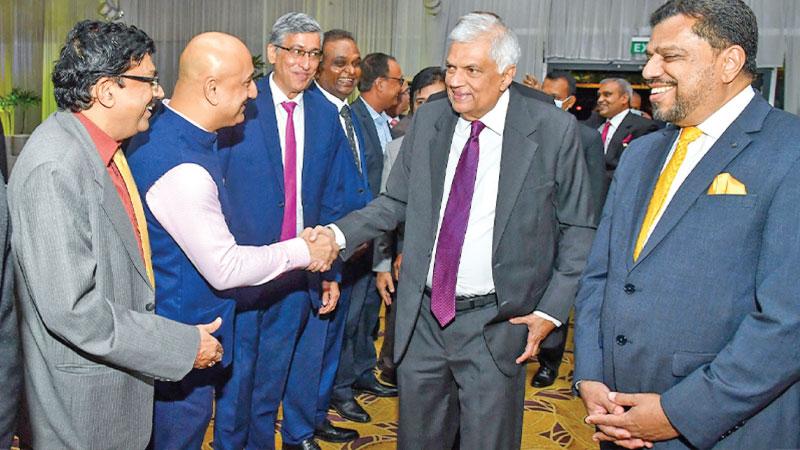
{"x": 725, "y": 184}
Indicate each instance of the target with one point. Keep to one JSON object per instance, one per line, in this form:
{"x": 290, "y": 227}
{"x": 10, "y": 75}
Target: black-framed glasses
{"x": 299, "y": 53}
{"x": 400, "y": 80}
{"x": 153, "y": 81}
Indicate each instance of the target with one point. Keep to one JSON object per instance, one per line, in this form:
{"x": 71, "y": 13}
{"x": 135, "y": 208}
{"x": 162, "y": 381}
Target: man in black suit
{"x": 620, "y": 126}
{"x": 561, "y": 86}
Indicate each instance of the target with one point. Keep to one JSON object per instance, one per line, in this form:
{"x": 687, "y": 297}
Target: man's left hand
{"x": 538, "y": 329}
{"x": 644, "y": 420}
{"x": 330, "y": 297}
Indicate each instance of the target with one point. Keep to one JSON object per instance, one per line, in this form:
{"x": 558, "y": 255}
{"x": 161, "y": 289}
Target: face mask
{"x": 559, "y": 103}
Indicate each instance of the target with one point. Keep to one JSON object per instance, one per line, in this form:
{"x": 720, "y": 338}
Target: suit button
{"x": 621, "y": 339}
{"x": 629, "y": 288}
{"x": 150, "y": 306}
{"x": 280, "y": 203}
{"x": 360, "y": 191}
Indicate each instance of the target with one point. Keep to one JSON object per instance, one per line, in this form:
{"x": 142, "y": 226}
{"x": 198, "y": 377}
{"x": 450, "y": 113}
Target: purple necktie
{"x": 453, "y": 229}
{"x": 289, "y": 225}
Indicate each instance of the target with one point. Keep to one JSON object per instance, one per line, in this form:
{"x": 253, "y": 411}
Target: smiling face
{"x": 682, "y": 73}
{"x": 340, "y": 68}
{"x": 293, "y": 73}
{"x": 236, "y": 88}
{"x": 134, "y": 99}
{"x": 611, "y": 99}
{"x": 474, "y": 84}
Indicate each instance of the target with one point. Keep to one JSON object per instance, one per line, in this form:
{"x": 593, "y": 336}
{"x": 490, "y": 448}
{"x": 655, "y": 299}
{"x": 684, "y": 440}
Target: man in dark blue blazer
{"x": 279, "y": 349}
{"x": 687, "y": 322}
{"x": 337, "y": 76}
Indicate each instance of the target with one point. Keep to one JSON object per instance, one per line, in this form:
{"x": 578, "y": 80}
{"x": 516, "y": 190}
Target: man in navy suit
{"x": 337, "y": 76}
{"x": 283, "y": 171}
{"x": 687, "y": 321}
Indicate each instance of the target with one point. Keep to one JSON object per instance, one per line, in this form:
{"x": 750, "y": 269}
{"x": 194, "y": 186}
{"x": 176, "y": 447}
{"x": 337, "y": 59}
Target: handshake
{"x": 321, "y": 246}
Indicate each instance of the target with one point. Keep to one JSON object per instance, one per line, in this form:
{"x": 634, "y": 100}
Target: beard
{"x": 695, "y": 92}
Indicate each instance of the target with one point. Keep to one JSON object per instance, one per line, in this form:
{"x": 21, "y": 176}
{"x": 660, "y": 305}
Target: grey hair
{"x": 292, "y": 23}
{"x": 624, "y": 86}
{"x": 504, "y": 50}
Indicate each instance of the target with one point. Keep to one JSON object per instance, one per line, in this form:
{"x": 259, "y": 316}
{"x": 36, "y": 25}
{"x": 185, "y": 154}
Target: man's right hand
{"x": 595, "y": 398}
{"x": 322, "y": 247}
{"x": 210, "y": 351}
{"x": 385, "y": 286}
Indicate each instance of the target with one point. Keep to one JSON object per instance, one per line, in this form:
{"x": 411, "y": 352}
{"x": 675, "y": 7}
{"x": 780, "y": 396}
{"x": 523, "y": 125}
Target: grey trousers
{"x": 449, "y": 385}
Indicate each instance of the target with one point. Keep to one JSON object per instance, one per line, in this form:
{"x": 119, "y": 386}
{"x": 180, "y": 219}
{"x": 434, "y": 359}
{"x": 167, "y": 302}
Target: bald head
{"x": 214, "y": 80}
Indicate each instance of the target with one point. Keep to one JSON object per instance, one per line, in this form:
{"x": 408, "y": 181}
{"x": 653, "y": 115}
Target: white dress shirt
{"x": 712, "y": 129}
{"x": 298, "y": 117}
{"x": 185, "y": 200}
{"x": 615, "y": 121}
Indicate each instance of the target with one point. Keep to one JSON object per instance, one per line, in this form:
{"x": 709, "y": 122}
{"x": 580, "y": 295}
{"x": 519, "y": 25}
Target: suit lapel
{"x": 732, "y": 142}
{"x": 439, "y": 152}
{"x": 515, "y": 161}
{"x": 615, "y": 144}
{"x": 269, "y": 123}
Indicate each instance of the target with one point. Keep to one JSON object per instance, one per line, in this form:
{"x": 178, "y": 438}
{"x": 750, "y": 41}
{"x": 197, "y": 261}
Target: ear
{"x": 272, "y": 54}
{"x": 104, "y": 90}
{"x": 508, "y": 77}
{"x": 210, "y": 91}
{"x": 732, "y": 60}
{"x": 569, "y": 102}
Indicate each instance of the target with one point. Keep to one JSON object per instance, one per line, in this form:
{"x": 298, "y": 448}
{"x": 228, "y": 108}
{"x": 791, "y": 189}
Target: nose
{"x": 653, "y": 69}
{"x": 252, "y": 92}
{"x": 159, "y": 94}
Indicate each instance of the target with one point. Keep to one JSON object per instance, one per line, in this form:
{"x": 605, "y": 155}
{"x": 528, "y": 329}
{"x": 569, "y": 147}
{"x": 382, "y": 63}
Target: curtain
{"x": 6, "y": 59}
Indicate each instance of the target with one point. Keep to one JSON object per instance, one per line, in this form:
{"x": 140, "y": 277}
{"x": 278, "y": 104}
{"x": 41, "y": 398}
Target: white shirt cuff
{"x": 548, "y": 318}
{"x": 339, "y": 236}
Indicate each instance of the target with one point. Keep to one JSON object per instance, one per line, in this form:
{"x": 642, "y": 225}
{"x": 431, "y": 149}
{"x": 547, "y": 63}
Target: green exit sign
{"x": 639, "y": 45}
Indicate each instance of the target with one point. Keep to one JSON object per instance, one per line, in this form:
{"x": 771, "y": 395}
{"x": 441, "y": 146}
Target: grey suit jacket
{"x": 10, "y": 357}
{"x": 91, "y": 342}
{"x": 543, "y": 222}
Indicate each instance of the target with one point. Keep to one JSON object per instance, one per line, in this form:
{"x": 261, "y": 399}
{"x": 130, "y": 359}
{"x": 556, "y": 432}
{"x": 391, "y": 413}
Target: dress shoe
{"x": 305, "y": 444}
{"x": 375, "y": 387}
{"x": 329, "y": 433}
{"x": 544, "y": 377}
{"x": 388, "y": 376}
{"x": 350, "y": 410}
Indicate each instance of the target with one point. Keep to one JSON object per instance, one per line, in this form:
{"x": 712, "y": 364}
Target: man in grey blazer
{"x": 687, "y": 324}
{"x": 91, "y": 343}
{"x": 493, "y": 189}
{"x": 11, "y": 366}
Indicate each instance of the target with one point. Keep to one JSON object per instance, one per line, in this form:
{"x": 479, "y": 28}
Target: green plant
{"x": 18, "y": 98}
{"x": 258, "y": 67}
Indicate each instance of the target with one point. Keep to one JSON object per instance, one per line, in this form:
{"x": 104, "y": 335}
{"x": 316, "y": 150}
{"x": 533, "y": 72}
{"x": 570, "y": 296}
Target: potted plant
{"x": 22, "y": 99}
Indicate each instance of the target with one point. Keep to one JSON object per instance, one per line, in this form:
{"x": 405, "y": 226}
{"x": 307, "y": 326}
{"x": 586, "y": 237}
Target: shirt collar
{"x": 279, "y": 97}
{"x": 105, "y": 144}
{"x": 495, "y": 119}
{"x": 721, "y": 119}
{"x": 337, "y": 102}
{"x": 372, "y": 113}
{"x": 165, "y": 102}
{"x": 616, "y": 120}
{"x": 194, "y": 130}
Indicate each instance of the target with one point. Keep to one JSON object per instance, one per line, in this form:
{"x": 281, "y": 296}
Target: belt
{"x": 466, "y": 303}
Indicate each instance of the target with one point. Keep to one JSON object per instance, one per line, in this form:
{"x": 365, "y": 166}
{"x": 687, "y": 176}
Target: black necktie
{"x": 351, "y": 135}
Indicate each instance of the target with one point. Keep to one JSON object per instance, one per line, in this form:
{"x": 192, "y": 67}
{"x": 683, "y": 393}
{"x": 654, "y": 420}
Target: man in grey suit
{"x": 687, "y": 324}
{"x": 493, "y": 189}
{"x": 91, "y": 343}
{"x": 11, "y": 366}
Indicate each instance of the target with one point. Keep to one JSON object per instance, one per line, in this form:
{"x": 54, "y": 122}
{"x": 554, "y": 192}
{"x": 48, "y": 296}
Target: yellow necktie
{"x": 138, "y": 212}
{"x": 688, "y": 135}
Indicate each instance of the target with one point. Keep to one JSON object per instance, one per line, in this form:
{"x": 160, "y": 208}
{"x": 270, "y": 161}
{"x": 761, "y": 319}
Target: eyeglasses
{"x": 152, "y": 80}
{"x": 299, "y": 53}
{"x": 400, "y": 80}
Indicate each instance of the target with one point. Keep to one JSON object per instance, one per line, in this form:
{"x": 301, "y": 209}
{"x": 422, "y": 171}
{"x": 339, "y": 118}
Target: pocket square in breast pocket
{"x": 725, "y": 184}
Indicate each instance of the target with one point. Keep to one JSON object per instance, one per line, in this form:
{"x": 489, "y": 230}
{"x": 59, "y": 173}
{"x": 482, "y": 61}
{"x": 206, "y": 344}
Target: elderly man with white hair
{"x": 494, "y": 191}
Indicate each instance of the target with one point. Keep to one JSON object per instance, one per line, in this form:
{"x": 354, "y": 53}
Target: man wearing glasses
{"x": 92, "y": 345}
{"x": 281, "y": 177}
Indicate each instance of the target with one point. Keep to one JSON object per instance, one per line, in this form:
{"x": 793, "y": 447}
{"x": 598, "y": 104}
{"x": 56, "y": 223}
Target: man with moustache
{"x": 380, "y": 83}
{"x": 282, "y": 174}
{"x": 687, "y": 329}
{"x": 493, "y": 189}
{"x": 338, "y": 73}
{"x": 621, "y": 126}
{"x": 195, "y": 257}
{"x": 92, "y": 346}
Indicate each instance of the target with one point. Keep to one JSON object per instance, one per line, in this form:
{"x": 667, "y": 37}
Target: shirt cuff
{"x": 339, "y": 236}
{"x": 548, "y": 318}
{"x": 297, "y": 251}
{"x": 384, "y": 265}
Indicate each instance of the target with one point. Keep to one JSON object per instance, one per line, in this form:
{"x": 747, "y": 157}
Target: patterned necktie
{"x": 351, "y": 134}
{"x": 138, "y": 212}
{"x": 289, "y": 225}
{"x": 453, "y": 229}
{"x": 688, "y": 135}
{"x": 604, "y": 134}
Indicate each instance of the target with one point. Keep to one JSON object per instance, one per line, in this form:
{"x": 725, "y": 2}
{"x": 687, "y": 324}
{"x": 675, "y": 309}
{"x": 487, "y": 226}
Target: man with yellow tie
{"x": 687, "y": 321}
{"x": 92, "y": 345}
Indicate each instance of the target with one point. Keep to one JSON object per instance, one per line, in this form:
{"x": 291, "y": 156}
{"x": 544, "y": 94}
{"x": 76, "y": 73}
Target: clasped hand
{"x": 210, "y": 350}
{"x": 322, "y": 247}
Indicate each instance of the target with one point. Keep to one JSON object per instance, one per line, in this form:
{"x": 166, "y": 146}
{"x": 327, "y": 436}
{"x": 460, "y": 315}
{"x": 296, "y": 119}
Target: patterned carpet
{"x": 553, "y": 418}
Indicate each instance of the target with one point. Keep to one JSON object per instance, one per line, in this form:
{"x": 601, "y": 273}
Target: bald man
{"x": 195, "y": 257}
